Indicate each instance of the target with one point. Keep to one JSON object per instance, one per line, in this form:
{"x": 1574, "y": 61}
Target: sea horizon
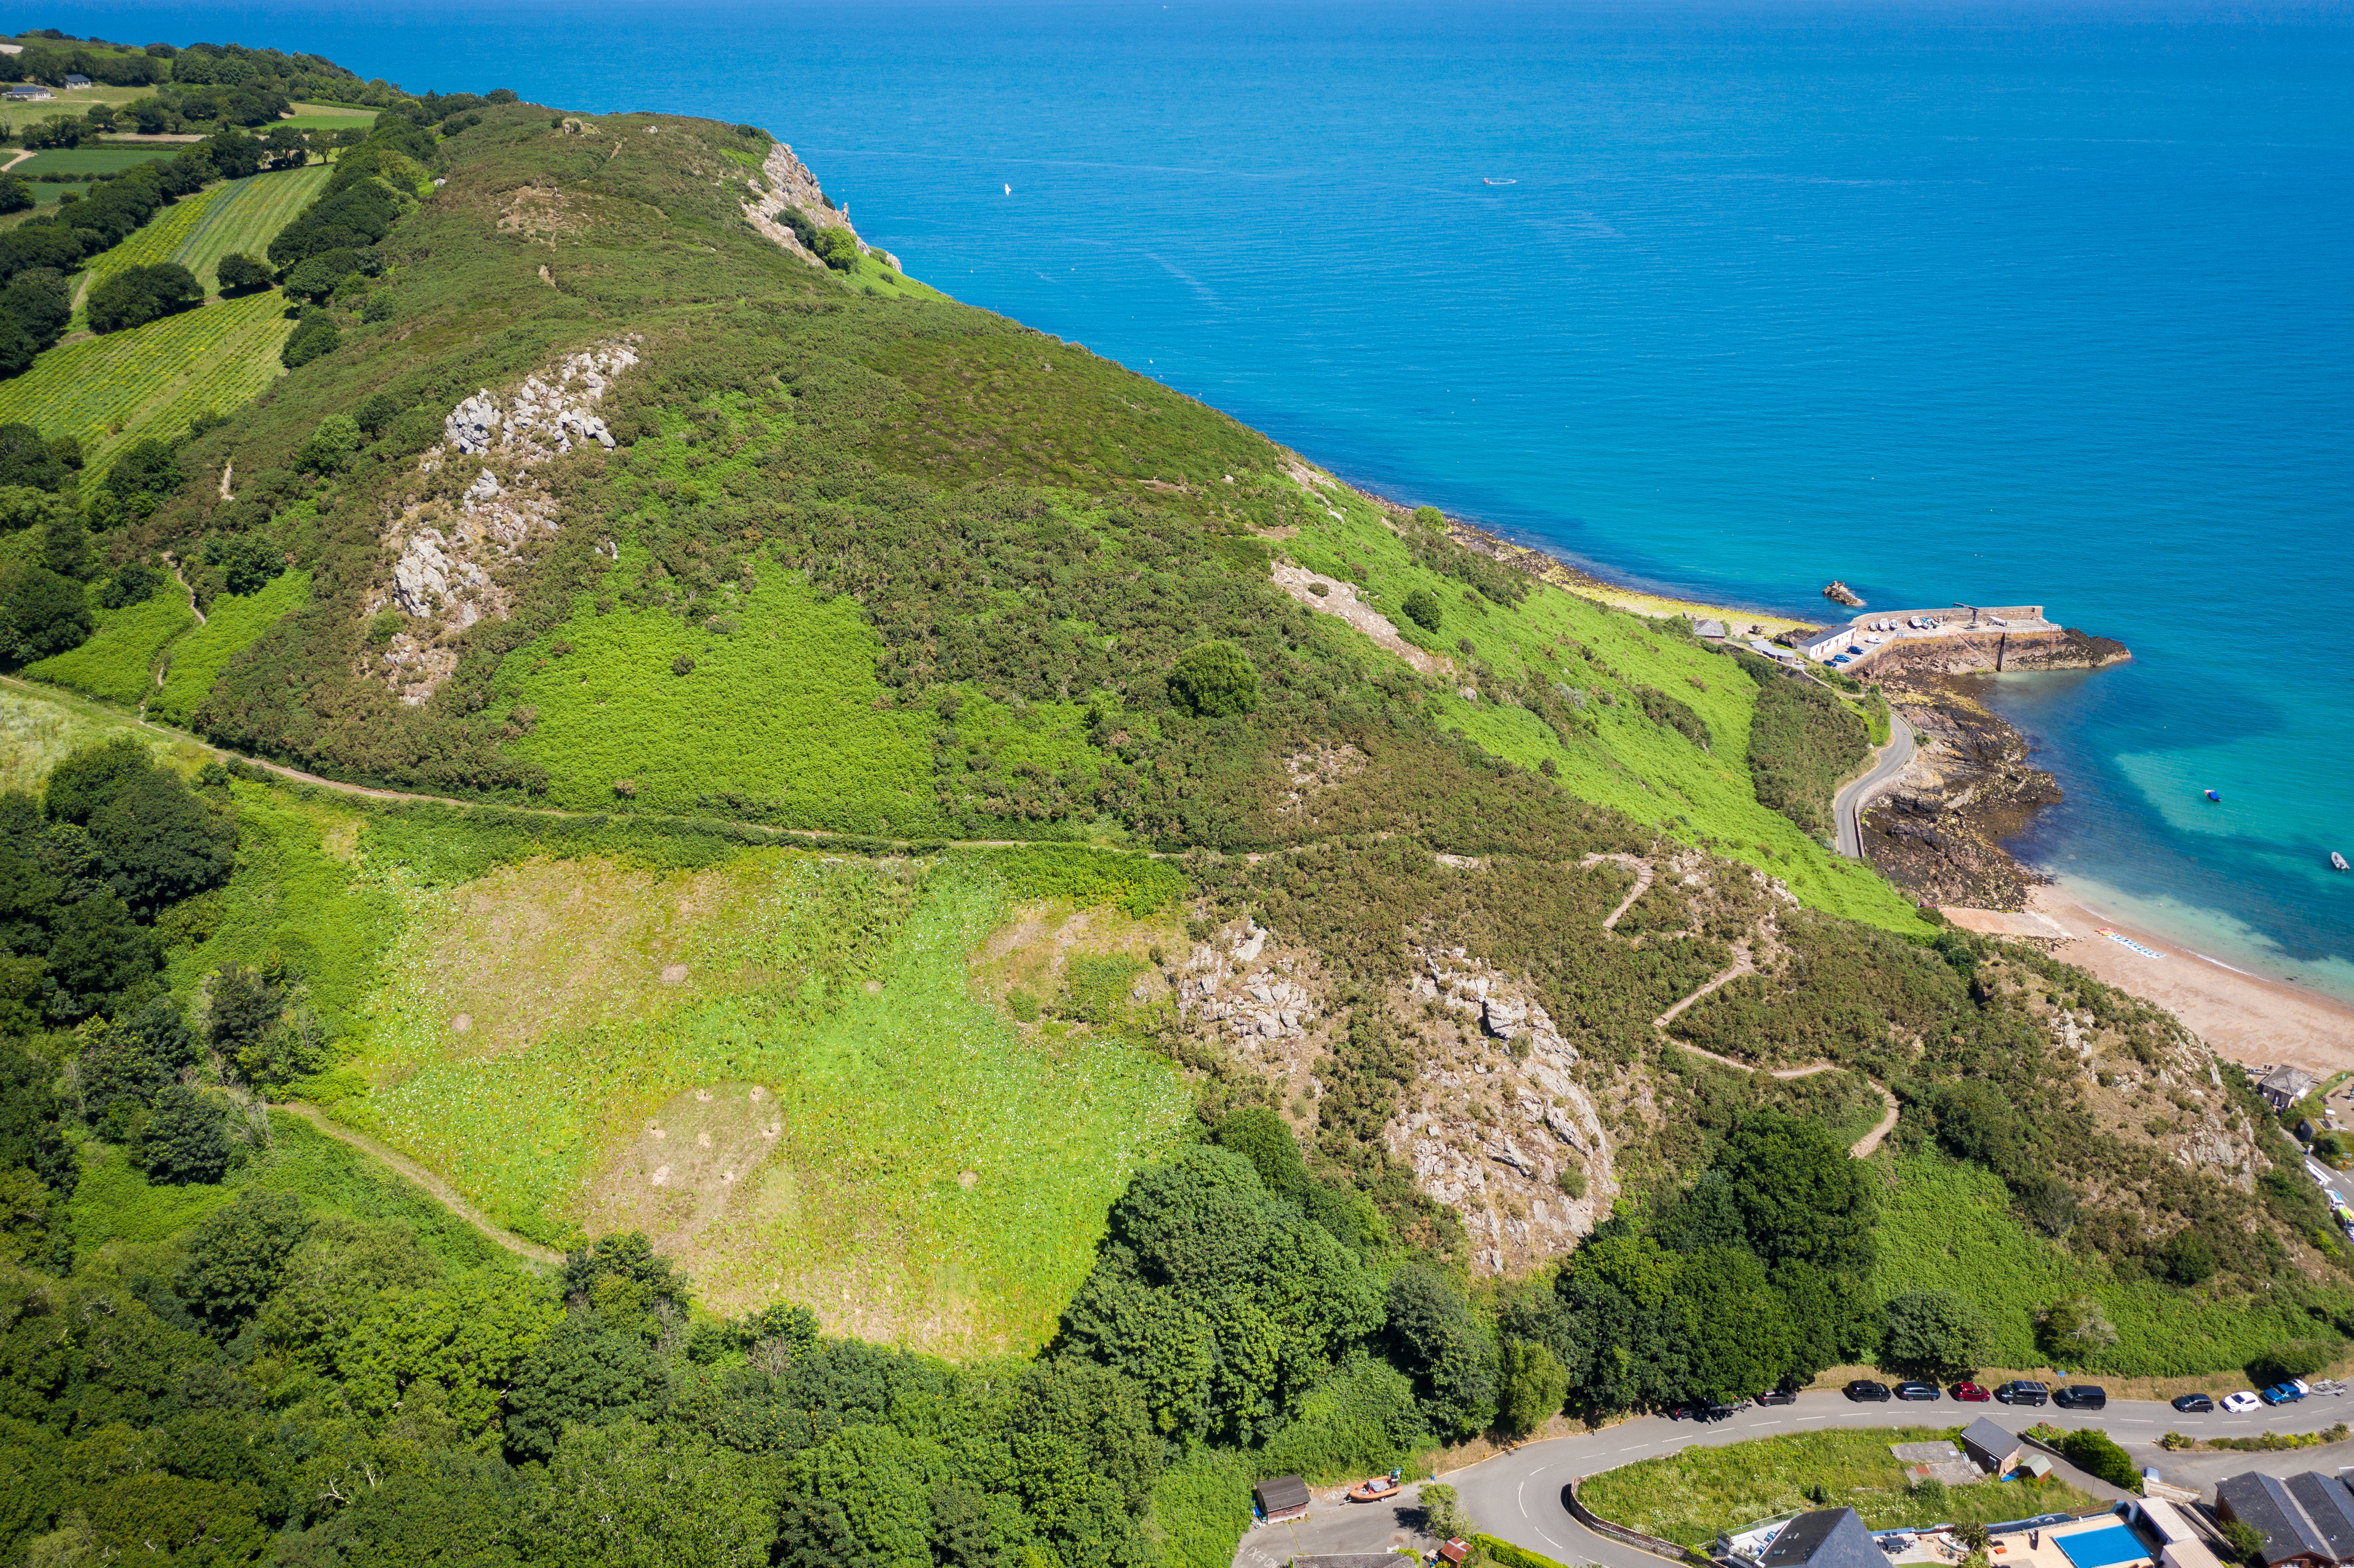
{"x": 1976, "y": 302}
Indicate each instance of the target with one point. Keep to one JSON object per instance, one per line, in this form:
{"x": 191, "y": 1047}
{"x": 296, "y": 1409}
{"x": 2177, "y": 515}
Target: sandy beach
{"x": 2242, "y": 1016}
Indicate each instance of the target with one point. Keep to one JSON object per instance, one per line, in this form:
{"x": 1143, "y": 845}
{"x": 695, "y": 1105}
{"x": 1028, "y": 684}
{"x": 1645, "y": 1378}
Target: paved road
{"x": 1847, "y": 805}
{"x": 1518, "y": 1496}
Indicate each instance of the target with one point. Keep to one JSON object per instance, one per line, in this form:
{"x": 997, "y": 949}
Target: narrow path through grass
{"x": 447, "y": 1195}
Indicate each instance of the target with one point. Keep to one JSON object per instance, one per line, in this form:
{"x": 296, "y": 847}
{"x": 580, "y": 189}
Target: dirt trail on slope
{"x": 441, "y": 1191}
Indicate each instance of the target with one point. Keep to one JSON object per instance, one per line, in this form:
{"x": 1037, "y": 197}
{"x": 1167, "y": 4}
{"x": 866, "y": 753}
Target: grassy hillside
{"x": 919, "y": 861}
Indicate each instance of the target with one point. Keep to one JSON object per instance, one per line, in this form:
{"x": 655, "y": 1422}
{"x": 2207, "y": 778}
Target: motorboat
{"x": 2336, "y": 860}
{"x": 1486, "y": 181}
{"x": 1378, "y": 1489}
{"x": 2214, "y": 797}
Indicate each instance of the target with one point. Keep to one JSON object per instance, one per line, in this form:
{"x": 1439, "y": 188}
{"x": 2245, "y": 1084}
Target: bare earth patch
{"x": 1341, "y": 598}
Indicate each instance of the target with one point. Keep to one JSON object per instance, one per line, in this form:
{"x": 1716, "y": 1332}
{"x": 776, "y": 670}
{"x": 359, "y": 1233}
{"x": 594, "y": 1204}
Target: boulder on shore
{"x": 1840, "y": 593}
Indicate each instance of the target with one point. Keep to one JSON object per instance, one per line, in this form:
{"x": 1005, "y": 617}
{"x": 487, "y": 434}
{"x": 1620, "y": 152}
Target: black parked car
{"x": 1716, "y": 1412}
{"x": 1919, "y": 1391}
{"x": 2022, "y": 1391}
{"x": 2081, "y": 1397}
{"x": 2193, "y": 1403}
{"x": 1863, "y": 1390}
{"x": 1778, "y": 1397}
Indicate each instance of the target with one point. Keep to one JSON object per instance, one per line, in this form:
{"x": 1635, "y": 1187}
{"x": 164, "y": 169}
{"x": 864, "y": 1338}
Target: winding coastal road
{"x": 1518, "y": 1496}
{"x": 1849, "y": 804}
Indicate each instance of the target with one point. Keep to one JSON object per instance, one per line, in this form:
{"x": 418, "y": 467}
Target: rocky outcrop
{"x": 449, "y": 550}
{"x": 1840, "y": 593}
{"x": 786, "y": 182}
{"x": 1991, "y": 651}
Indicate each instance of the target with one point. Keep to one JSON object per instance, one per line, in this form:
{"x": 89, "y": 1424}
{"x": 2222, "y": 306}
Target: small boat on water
{"x": 1374, "y": 1490}
{"x": 1485, "y": 181}
{"x": 2214, "y": 797}
{"x": 2336, "y": 860}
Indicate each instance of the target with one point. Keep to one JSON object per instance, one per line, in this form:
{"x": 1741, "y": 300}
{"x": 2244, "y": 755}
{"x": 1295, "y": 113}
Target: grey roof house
{"x": 2284, "y": 1085}
{"x": 2307, "y": 1519}
{"x": 1833, "y": 1538}
{"x": 1991, "y": 1448}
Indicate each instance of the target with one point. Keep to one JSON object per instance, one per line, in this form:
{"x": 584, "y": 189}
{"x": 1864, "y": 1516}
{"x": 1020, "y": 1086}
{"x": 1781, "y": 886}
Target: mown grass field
{"x": 118, "y": 662}
{"x": 245, "y": 215}
{"x": 882, "y": 1144}
{"x": 1950, "y": 1226}
{"x": 1650, "y": 772}
{"x": 158, "y": 241}
{"x": 776, "y": 719}
{"x": 1689, "y": 1498}
{"x": 151, "y": 380}
{"x": 231, "y": 625}
{"x": 93, "y": 160}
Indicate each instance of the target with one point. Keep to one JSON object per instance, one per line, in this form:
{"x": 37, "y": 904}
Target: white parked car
{"x": 2241, "y": 1403}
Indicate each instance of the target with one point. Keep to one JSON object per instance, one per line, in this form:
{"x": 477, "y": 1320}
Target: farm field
{"x": 1688, "y": 1497}
{"x": 43, "y": 195}
{"x": 245, "y": 215}
{"x": 196, "y": 231}
{"x": 329, "y": 117}
{"x": 153, "y": 379}
{"x": 232, "y": 622}
{"x": 775, "y": 721}
{"x": 118, "y": 662}
{"x": 777, "y": 1068}
{"x": 91, "y": 160}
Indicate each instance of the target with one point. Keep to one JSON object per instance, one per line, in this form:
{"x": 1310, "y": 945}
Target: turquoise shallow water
{"x": 1980, "y": 303}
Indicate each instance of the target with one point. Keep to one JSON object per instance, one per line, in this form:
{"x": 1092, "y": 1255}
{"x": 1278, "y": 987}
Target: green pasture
{"x": 232, "y": 623}
{"x": 93, "y": 160}
{"x": 937, "y": 1176}
{"x": 775, "y": 721}
{"x": 1649, "y": 772}
{"x": 1689, "y": 1498}
{"x": 329, "y": 117}
{"x": 151, "y": 380}
{"x": 118, "y": 662}
{"x": 1950, "y": 1226}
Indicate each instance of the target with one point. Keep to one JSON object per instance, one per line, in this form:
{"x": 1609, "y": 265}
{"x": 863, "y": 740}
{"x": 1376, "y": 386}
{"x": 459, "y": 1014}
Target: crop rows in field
{"x": 162, "y": 236}
{"x": 247, "y": 216}
{"x": 198, "y": 230}
{"x": 153, "y": 379}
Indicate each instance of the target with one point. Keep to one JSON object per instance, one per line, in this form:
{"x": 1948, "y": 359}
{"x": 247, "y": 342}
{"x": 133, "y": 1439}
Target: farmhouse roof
{"x": 2295, "y": 1083}
{"x": 77, "y": 80}
{"x": 1832, "y": 1538}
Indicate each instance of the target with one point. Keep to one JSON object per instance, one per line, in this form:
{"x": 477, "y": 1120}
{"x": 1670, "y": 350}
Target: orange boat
{"x": 1374, "y": 1490}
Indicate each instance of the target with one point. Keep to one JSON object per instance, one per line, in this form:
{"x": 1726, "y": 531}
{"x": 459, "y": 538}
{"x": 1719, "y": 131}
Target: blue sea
{"x": 1988, "y": 303}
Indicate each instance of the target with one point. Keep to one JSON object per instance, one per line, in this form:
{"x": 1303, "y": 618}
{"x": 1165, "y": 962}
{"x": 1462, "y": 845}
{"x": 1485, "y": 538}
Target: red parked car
{"x": 1971, "y": 1393}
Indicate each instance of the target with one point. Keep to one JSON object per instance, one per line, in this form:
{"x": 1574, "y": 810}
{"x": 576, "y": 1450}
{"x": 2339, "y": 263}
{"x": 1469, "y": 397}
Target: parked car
{"x": 1716, "y": 1412}
{"x": 1863, "y": 1390}
{"x": 2022, "y": 1391}
{"x": 1677, "y": 1412}
{"x": 1971, "y": 1393}
{"x": 1918, "y": 1391}
{"x": 2282, "y": 1393}
{"x": 2240, "y": 1404}
{"x": 1778, "y": 1397}
{"x": 2081, "y": 1397}
{"x": 2193, "y": 1403}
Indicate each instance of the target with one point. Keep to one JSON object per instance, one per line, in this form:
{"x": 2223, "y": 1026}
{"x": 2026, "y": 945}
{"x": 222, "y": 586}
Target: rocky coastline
{"x": 1938, "y": 830}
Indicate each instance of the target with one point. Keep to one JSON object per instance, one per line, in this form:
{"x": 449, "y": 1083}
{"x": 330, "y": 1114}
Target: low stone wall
{"x": 1634, "y": 1537}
